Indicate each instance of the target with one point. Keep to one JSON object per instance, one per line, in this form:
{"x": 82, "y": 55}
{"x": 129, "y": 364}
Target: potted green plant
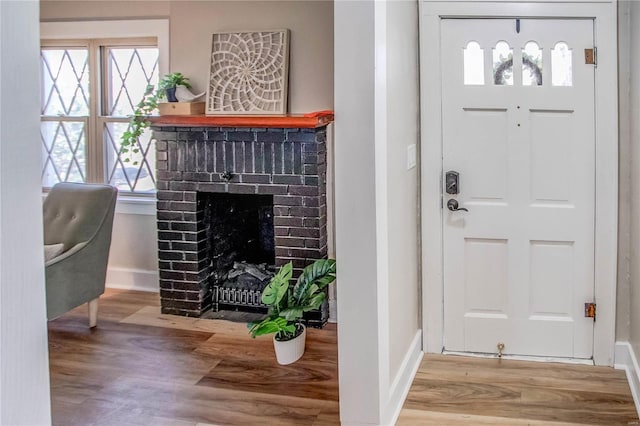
{"x": 287, "y": 304}
{"x": 139, "y": 121}
{"x": 168, "y": 83}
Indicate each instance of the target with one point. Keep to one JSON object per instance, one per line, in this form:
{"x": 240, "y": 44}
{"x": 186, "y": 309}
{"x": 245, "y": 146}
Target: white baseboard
{"x": 132, "y": 279}
{"x": 403, "y": 380}
{"x": 625, "y": 359}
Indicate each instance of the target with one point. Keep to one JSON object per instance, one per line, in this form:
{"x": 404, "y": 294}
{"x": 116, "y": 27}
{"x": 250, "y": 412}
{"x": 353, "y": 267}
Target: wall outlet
{"x": 411, "y": 156}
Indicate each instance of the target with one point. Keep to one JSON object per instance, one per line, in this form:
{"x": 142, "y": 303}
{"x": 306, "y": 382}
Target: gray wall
{"x": 376, "y": 203}
{"x": 630, "y": 109}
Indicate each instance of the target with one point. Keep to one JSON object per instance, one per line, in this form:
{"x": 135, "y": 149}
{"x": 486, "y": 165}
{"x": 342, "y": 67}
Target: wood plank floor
{"x": 140, "y": 368}
{"x": 454, "y": 390}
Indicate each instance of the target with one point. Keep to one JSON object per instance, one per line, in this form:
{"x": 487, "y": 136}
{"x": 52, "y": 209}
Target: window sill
{"x": 145, "y": 206}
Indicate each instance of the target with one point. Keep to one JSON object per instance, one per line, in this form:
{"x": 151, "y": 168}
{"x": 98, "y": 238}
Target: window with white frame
{"x": 89, "y": 88}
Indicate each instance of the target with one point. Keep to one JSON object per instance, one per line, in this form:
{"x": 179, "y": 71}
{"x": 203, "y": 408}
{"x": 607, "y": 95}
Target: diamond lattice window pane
{"x": 130, "y": 71}
{"x": 65, "y": 88}
{"x": 63, "y": 152}
{"x": 130, "y": 171}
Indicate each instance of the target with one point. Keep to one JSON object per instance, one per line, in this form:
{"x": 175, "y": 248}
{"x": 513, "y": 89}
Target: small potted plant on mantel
{"x": 147, "y": 106}
{"x": 287, "y": 305}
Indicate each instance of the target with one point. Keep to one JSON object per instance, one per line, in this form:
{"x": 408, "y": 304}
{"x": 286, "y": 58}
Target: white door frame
{"x": 604, "y": 14}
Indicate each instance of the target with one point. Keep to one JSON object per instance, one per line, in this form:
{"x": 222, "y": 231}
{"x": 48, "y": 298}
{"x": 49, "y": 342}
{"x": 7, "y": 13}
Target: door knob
{"x": 453, "y": 206}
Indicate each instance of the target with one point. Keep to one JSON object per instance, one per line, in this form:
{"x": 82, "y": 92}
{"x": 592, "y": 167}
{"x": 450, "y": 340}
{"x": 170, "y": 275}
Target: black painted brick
{"x": 287, "y": 221}
{"x": 163, "y": 226}
{"x": 278, "y": 158}
{"x": 255, "y": 178}
{"x": 296, "y": 136}
{"x": 184, "y": 246}
{"x": 183, "y": 186}
{"x": 305, "y": 211}
{"x": 247, "y": 150}
{"x": 183, "y": 206}
{"x": 311, "y": 180}
{"x": 212, "y": 187}
{"x": 163, "y": 205}
{"x": 288, "y": 179}
{"x": 272, "y": 189}
{"x": 281, "y": 231}
{"x": 215, "y": 135}
{"x": 197, "y": 176}
{"x": 287, "y": 200}
{"x": 166, "y": 284}
{"x": 312, "y": 222}
{"x": 184, "y": 226}
{"x": 170, "y": 195}
{"x": 236, "y": 188}
{"x": 170, "y": 236}
{"x": 187, "y": 286}
{"x": 275, "y": 136}
{"x": 170, "y": 255}
{"x": 282, "y": 211}
{"x": 169, "y": 215}
{"x": 289, "y": 242}
{"x": 240, "y": 136}
{"x": 304, "y": 232}
{"x": 297, "y": 263}
{"x": 164, "y": 136}
{"x": 311, "y": 201}
{"x": 310, "y": 169}
{"x": 171, "y": 275}
{"x": 185, "y": 266}
{"x": 312, "y": 243}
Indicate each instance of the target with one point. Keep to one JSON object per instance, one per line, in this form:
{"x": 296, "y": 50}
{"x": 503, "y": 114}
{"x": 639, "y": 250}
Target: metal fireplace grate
{"x": 233, "y": 298}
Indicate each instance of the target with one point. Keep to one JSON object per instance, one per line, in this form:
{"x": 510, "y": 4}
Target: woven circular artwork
{"x": 248, "y": 73}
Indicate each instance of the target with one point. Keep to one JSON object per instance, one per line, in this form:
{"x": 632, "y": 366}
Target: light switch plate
{"x": 411, "y": 156}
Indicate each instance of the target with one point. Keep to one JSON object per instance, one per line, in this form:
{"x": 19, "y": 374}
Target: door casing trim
{"x": 604, "y": 14}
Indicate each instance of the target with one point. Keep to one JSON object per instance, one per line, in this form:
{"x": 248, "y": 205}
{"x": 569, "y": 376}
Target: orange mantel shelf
{"x": 303, "y": 121}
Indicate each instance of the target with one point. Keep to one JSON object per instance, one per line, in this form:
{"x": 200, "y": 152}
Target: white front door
{"x": 518, "y": 127}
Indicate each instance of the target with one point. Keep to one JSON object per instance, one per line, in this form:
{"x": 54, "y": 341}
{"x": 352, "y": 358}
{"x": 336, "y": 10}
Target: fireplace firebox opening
{"x": 241, "y": 245}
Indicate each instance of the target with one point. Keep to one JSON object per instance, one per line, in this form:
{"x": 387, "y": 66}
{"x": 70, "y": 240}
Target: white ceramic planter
{"x": 292, "y": 350}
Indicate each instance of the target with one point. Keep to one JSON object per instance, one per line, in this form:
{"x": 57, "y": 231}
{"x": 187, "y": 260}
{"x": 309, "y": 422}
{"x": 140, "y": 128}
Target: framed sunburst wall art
{"x": 249, "y": 73}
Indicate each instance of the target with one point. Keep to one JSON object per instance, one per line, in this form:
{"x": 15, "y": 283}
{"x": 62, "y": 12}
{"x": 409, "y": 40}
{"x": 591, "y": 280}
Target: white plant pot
{"x": 292, "y": 350}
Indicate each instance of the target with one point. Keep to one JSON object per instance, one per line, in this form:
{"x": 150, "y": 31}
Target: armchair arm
{"x": 75, "y": 249}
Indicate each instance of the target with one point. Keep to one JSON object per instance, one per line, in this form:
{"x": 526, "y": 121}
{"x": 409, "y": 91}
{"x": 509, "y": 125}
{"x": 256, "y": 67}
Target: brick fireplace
{"x": 236, "y": 194}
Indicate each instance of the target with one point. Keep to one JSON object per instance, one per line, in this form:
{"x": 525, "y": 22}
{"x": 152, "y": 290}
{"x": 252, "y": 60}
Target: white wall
{"x": 24, "y": 379}
{"x": 376, "y": 102}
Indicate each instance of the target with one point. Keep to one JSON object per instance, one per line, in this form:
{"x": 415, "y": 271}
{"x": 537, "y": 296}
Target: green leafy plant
{"x": 287, "y": 304}
{"x": 139, "y": 121}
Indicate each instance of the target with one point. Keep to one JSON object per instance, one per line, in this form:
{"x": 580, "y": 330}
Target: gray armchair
{"x": 80, "y": 216}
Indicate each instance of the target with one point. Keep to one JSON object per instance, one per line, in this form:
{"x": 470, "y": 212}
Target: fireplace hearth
{"x": 234, "y": 204}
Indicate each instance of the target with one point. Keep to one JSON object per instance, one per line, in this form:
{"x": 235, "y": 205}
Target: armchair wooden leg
{"x": 93, "y": 312}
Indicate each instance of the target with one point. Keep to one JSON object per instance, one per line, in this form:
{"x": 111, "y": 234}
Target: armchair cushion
{"x": 52, "y": 250}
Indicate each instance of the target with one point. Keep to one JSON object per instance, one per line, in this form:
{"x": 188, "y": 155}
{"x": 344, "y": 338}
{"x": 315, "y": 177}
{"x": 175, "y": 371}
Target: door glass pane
{"x": 561, "y": 65}
{"x": 532, "y": 64}
{"x": 132, "y": 170}
{"x": 130, "y": 71}
{"x": 503, "y": 64}
{"x": 63, "y": 152}
{"x": 65, "y": 81}
{"x": 473, "y": 64}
